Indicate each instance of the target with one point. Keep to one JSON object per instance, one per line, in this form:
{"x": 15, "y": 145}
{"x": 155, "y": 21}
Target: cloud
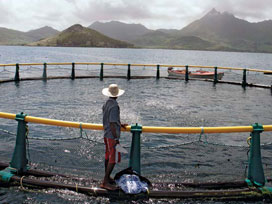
{"x": 28, "y": 14}
{"x": 5, "y": 14}
{"x": 250, "y": 10}
{"x": 112, "y": 10}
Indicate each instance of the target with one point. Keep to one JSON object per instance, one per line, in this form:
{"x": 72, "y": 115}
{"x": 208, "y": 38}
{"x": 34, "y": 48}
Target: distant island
{"x": 215, "y": 31}
{"x": 79, "y": 36}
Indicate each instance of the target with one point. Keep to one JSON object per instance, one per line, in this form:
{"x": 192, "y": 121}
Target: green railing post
{"x": 244, "y": 82}
{"x": 19, "y": 160}
{"x": 186, "y": 73}
{"x": 255, "y": 168}
{"x": 73, "y": 71}
{"x": 101, "y": 72}
{"x": 215, "y": 79}
{"x": 44, "y": 71}
{"x": 17, "y": 75}
{"x": 135, "y": 149}
{"x": 128, "y": 72}
{"x": 158, "y": 72}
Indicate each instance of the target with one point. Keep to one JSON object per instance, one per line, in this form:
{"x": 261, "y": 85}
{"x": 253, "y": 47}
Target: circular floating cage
{"x": 252, "y": 184}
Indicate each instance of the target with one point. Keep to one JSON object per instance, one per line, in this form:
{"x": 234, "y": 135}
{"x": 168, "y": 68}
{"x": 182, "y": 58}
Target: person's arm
{"x": 113, "y": 131}
{"x": 123, "y": 125}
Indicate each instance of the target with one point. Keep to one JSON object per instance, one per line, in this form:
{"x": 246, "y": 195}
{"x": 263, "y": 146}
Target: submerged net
{"x": 194, "y": 158}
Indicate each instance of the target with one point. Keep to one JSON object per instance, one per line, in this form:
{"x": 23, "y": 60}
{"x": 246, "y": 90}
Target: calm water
{"x": 150, "y": 102}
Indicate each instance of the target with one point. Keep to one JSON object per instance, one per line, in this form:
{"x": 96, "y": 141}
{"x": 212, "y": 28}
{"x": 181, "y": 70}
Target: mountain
{"x": 14, "y": 37}
{"x": 159, "y": 39}
{"x": 119, "y": 30}
{"x": 154, "y": 39}
{"x": 225, "y": 30}
{"x": 214, "y": 31}
{"x": 41, "y": 33}
{"x": 79, "y": 36}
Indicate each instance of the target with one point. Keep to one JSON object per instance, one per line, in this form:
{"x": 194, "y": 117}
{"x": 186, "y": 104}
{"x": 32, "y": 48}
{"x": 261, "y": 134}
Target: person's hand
{"x": 124, "y": 125}
{"x": 116, "y": 142}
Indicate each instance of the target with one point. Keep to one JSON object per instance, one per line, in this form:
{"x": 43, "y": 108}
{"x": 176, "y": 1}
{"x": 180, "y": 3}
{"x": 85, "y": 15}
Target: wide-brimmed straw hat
{"x": 113, "y": 91}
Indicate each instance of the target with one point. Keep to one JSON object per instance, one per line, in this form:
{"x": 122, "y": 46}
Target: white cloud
{"x": 30, "y": 14}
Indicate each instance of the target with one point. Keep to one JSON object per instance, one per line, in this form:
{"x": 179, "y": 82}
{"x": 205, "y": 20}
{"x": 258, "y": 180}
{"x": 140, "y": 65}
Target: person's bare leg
{"x": 106, "y": 165}
{"x": 106, "y": 181}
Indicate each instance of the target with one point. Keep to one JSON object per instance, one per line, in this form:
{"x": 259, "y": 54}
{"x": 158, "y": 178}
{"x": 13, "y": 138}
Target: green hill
{"x": 227, "y": 31}
{"x": 120, "y": 31}
{"x": 214, "y": 31}
{"x": 42, "y": 33}
{"x": 155, "y": 39}
{"x": 79, "y": 36}
{"x": 14, "y": 37}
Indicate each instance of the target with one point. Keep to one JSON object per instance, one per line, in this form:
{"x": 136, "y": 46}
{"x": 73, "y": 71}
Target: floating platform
{"x": 236, "y": 190}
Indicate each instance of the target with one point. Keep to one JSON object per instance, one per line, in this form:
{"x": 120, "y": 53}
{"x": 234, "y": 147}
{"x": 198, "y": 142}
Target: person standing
{"x": 112, "y": 130}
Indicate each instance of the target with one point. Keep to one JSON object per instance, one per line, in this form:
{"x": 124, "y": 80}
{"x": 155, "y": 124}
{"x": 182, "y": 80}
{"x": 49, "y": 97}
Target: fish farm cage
{"x": 29, "y": 176}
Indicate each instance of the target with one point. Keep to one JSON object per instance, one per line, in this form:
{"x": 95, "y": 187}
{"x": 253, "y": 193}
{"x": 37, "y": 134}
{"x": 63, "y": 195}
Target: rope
{"x": 175, "y": 145}
{"x": 249, "y": 141}
{"x": 80, "y": 127}
{"x": 27, "y": 143}
{"x": 27, "y": 190}
{"x": 29, "y": 68}
{"x": 5, "y": 70}
{"x": 76, "y": 188}
{"x": 94, "y": 189}
{"x": 6, "y": 131}
{"x": 148, "y": 192}
{"x": 21, "y": 182}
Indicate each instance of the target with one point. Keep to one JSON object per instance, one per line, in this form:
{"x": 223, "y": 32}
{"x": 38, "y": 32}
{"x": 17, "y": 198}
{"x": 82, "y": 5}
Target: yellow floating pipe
{"x": 87, "y": 63}
{"x": 70, "y": 124}
{"x": 7, "y": 65}
{"x": 198, "y": 66}
{"x": 267, "y": 127}
{"x": 30, "y": 64}
{"x": 150, "y": 129}
{"x": 7, "y": 115}
{"x": 62, "y": 123}
{"x": 197, "y": 130}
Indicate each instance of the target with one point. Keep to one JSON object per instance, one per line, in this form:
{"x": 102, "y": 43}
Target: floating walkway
{"x": 231, "y": 190}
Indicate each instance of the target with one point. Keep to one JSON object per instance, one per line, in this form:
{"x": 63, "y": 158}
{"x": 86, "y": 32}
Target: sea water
{"x": 150, "y": 102}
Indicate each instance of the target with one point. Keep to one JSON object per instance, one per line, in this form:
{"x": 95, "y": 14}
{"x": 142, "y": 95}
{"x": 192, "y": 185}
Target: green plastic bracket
{"x": 73, "y": 71}
{"x": 255, "y": 169}
{"x": 244, "y": 82}
{"x": 249, "y": 183}
{"x": 101, "y": 72}
{"x": 19, "y": 160}
{"x": 135, "y": 149}
{"x": 186, "y": 73}
{"x": 44, "y": 71}
{"x": 7, "y": 173}
{"x": 5, "y": 176}
{"x": 128, "y": 72}
{"x": 158, "y": 72}
{"x": 215, "y": 79}
{"x": 17, "y": 75}
{"x": 266, "y": 190}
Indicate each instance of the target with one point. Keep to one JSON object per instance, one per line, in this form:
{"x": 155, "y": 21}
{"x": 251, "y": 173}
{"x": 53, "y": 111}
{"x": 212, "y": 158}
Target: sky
{"x": 25, "y": 15}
